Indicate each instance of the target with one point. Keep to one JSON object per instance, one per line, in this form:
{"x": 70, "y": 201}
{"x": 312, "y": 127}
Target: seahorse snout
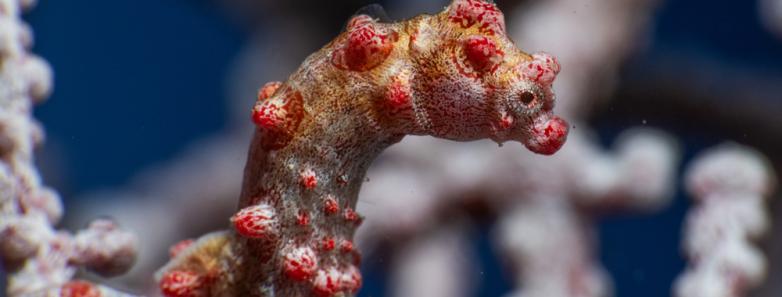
{"x": 547, "y": 134}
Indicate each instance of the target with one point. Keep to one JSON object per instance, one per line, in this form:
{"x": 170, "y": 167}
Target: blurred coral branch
{"x": 730, "y": 185}
{"x": 40, "y": 260}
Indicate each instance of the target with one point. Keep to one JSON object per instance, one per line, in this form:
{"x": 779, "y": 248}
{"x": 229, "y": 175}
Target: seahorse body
{"x": 453, "y": 75}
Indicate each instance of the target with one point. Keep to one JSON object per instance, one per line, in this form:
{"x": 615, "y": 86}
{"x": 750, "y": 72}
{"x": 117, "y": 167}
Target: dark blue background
{"x": 137, "y": 80}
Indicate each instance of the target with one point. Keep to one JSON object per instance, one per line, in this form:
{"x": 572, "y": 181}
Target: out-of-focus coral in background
{"x": 149, "y": 124}
{"x": 37, "y": 259}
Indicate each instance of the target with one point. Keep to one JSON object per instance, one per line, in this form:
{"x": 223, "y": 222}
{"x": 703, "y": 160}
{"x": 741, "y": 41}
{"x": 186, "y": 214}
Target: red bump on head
{"x": 283, "y": 112}
{"x": 269, "y": 115}
{"x": 485, "y": 15}
{"x": 177, "y": 248}
{"x": 308, "y": 179}
{"x": 346, "y": 246}
{"x": 482, "y": 53}
{"x": 547, "y": 59}
{"x": 398, "y": 98}
{"x": 548, "y": 135}
{"x": 329, "y": 243}
{"x": 398, "y": 94}
{"x": 351, "y": 215}
{"x": 79, "y": 288}
{"x": 366, "y": 46}
{"x": 256, "y": 221}
{"x": 330, "y": 205}
{"x": 351, "y": 279}
{"x": 300, "y": 263}
{"x": 182, "y": 283}
{"x": 268, "y": 90}
{"x": 542, "y": 68}
{"x": 327, "y": 283}
{"x": 303, "y": 218}
{"x": 279, "y": 117}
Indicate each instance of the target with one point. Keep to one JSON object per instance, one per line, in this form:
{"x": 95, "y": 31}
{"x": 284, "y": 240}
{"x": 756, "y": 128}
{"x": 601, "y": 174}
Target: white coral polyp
{"x": 104, "y": 248}
{"x": 730, "y": 184}
{"x": 39, "y": 260}
{"x": 729, "y": 168}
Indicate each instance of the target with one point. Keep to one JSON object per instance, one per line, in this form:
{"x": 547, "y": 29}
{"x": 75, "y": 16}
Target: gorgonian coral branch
{"x": 453, "y": 75}
{"x": 40, "y": 260}
{"x": 730, "y": 184}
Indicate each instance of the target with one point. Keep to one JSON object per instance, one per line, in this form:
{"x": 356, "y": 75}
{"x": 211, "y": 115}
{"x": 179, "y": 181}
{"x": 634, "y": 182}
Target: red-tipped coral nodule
{"x": 366, "y": 45}
{"x": 482, "y": 14}
{"x": 182, "y": 283}
{"x": 548, "y": 135}
{"x": 257, "y": 221}
{"x": 482, "y": 53}
{"x": 300, "y": 263}
{"x": 543, "y": 68}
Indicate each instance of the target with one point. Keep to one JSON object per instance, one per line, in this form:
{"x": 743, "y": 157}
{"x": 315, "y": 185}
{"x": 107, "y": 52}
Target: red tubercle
{"x": 351, "y": 279}
{"x": 487, "y": 16}
{"x": 303, "y": 218}
{"x": 351, "y": 215}
{"x": 346, "y": 246}
{"x": 309, "y": 180}
{"x": 476, "y": 56}
{"x": 367, "y": 45}
{"x": 548, "y": 135}
{"x": 178, "y": 247}
{"x": 327, "y": 283}
{"x": 279, "y": 117}
{"x": 482, "y": 53}
{"x": 330, "y": 205}
{"x": 182, "y": 283}
{"x": 328, "y": 243}
{"x": 268, "y": 90}
{"x": 268, "y": 115}
{"x": 398, "y": 94}
{"x": 300, "y": 263}
{"x": 555, "y": 128}
{"x": 542, "y": 68}
{"x": 330, "y": 282}
{"x": 256, "y": 221}
{"x": 397, "y": 103}
{"x": 79, "y": 288}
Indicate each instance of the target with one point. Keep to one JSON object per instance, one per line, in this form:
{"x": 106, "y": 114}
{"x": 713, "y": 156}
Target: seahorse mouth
{"x": 547, "y": 134}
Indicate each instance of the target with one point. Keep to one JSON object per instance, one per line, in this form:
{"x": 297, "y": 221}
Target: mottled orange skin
{"x": 453, "y": 75}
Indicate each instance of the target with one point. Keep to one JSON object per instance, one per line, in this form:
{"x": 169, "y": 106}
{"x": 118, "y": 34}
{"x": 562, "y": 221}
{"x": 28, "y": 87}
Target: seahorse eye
{"x": 527, "y": 97}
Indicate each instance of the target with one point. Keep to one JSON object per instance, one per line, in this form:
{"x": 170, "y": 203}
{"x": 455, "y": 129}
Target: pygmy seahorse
{"x": 454, "y": 75}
